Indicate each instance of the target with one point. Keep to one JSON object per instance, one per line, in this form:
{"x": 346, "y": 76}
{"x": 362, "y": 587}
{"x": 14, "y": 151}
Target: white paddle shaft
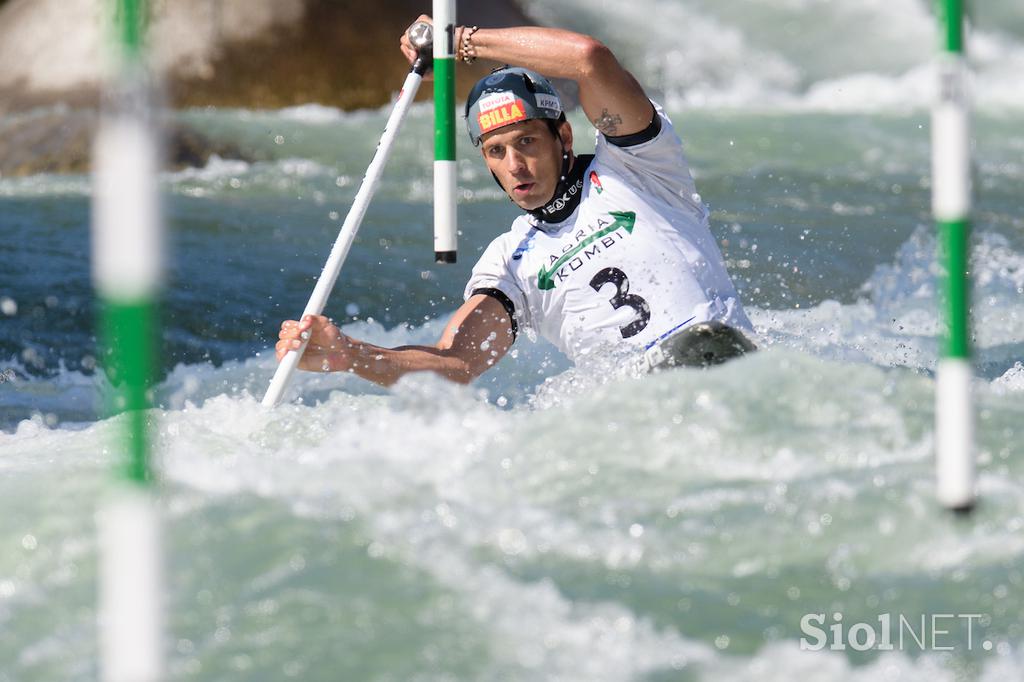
{"x": 324, "y": 285}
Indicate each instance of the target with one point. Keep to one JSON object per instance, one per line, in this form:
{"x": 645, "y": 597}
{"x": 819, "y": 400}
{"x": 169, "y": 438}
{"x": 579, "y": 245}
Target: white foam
{"x": 67, "y": 399}
{"x": 810, "y": 55}
{"x": 784, "y": 661}
{"x": 869, "y": 92}
{"x": 301, "y": 168}
{"x": 312, "y": 113}
{"x": 1012, "y": 381}
{"x": 216, "y": 168}
{"x": 688, "y": 478}
{"x": 443, "y": 482}
{"x": 46, "y": 185}
{"x": 229, "y": 175}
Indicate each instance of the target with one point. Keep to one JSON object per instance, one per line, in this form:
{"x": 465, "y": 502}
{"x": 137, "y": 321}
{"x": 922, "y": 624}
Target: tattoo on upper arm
{"x": 608, "y": 123}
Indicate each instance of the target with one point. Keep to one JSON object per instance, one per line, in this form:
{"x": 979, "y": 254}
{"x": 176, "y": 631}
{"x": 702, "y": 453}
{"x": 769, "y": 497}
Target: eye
{"x": 525, "y": 140}
{"x": 495, "y": 152}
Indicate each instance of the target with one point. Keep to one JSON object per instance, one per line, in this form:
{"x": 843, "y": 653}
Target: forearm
{"x": 612, "y": 99}
{"x": 385, "y": 366}
{"x": 553, "y": 52}
{"x": 477, "y": 336}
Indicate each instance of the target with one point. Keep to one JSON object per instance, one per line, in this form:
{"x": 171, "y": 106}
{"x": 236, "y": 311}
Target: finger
{"x": 293, "y": 329}
{"x": 317, "y": 321}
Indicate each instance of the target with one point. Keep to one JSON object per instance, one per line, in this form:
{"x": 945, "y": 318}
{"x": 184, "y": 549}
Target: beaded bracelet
{"x": 467, "y": 53}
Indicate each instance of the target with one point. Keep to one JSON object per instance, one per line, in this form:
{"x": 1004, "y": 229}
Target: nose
{"x": 515, "y": 162}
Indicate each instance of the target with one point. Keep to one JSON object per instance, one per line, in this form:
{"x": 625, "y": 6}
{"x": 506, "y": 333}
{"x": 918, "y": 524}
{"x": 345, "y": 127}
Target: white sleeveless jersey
{"x": 633, "y": 263}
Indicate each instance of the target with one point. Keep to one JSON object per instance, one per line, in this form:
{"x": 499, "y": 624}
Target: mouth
{"x": 523, "y": 188}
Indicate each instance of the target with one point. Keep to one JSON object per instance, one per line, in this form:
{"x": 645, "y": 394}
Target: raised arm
{"x": 612, "y": 99}
{"x": 477, "y": 337}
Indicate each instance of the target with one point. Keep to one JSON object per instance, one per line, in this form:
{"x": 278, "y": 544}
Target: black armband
{"x": 645, "y": 135}
{"x": 505, "y": 302}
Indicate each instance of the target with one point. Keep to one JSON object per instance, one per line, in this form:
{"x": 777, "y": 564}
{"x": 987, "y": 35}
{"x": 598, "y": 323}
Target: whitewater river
{"x": 551, "y": 522}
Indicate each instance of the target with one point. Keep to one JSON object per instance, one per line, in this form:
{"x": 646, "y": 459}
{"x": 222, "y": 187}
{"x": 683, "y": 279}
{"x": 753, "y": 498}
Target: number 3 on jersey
{"x": 623, "y": 298}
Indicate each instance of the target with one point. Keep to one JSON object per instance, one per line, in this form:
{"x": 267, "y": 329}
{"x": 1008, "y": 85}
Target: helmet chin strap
{"x": 563, "y": 182}
{"x": 568, "y": 191}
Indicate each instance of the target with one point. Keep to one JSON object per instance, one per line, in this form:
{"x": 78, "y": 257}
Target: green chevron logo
{"x": 626, "y": 219}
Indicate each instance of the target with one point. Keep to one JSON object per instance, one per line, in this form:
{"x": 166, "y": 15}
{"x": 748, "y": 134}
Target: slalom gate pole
{"x": 951, "y": 206}
{"x": 445, "y": 179}
{"x": 127, "y": 271}
{"x": 420, "y": 34}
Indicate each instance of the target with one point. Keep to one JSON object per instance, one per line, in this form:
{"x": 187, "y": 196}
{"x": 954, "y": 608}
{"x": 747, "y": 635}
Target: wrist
{"x": 465, "y": 48}
{"x": 363, "y": 356}
{"x": 341, "y": 357}
{"x": 337, "y": 361}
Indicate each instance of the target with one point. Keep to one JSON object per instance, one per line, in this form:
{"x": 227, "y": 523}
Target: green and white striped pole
{"x": 445, "y": 217}
{"x": 951, "y": 206}
{"x": 126, "y": 260}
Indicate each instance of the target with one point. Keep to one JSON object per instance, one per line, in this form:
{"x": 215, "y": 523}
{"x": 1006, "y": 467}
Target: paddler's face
{"x": 527, "y": 160}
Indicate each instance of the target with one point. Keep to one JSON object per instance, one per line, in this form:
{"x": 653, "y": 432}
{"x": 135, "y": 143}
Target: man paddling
{"x": 613, "y": 250}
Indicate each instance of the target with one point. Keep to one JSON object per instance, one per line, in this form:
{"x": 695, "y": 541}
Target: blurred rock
{"x": 239, "y": 53}
{"x": 256, "y": 54}
{"x": 59, "y": 140}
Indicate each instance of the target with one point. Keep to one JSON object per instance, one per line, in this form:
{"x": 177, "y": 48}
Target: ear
{"x": 565, "y": 131}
